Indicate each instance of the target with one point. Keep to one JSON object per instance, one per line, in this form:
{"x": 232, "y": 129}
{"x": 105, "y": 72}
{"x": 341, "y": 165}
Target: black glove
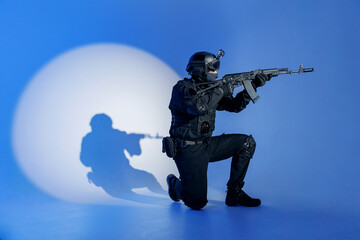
{"x": 260, "y": 79}
{"x": 228, "y": 89}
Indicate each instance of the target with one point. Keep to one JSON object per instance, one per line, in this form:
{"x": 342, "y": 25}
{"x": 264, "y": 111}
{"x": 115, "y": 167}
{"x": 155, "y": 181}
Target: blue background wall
{"x": 306, "y": 127}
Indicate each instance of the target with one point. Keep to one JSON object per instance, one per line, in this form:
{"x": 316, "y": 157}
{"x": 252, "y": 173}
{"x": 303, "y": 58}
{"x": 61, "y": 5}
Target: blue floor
{"x": 47, "y": 218}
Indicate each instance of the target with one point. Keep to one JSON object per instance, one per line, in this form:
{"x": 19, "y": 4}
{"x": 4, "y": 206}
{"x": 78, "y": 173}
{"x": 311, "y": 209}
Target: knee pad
{"x": 248, "y": 148}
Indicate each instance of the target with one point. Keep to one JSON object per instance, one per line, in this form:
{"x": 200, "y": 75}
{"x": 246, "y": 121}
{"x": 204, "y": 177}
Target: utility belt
{"x": 170, "y": 145}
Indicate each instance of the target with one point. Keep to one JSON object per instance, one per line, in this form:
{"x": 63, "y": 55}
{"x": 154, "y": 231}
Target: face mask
{"x": 211, "y": 77}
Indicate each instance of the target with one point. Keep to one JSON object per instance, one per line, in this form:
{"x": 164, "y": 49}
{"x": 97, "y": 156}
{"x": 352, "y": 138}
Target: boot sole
{"x": 171, "y": 191}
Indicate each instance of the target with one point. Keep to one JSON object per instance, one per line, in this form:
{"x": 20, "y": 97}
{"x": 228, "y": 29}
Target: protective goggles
{"x": 213, "y": 65}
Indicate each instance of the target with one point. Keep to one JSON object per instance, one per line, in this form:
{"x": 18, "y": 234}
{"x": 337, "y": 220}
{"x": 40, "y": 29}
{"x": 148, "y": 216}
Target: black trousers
{"x": 192, "y": 163}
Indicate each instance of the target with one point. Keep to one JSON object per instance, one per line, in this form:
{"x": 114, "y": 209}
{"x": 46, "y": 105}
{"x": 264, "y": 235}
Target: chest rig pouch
{"x": 205, "y": 124}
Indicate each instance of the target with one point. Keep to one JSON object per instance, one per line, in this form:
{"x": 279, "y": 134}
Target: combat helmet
{"x": 200, "y": 63}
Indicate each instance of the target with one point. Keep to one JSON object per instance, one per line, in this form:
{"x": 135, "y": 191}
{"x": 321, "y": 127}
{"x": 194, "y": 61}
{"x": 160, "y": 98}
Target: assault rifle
{"x": 245, "y": 79}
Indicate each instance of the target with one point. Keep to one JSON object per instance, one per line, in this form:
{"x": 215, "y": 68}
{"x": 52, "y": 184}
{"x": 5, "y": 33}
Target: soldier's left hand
{"x": 260, "y": 79}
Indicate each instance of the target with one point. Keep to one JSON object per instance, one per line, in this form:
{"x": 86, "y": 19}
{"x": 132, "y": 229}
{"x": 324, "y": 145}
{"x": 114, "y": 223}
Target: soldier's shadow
{"x": 103, "y": 149}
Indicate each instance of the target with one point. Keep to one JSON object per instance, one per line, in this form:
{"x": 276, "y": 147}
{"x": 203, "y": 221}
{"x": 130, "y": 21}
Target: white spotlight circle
{"x": 129, "y": 85}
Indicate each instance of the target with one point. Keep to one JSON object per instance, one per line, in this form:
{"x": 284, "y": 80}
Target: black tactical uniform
{"x": 193, "y": 121}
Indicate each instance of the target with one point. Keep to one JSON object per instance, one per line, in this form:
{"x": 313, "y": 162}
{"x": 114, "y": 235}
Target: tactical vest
{"x": 192, "y": 127}
{"x": 189, "y": 127}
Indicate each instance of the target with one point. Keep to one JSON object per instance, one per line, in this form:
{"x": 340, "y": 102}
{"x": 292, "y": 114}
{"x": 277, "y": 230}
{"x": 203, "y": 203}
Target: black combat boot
{"x": 237, "y": 197}
{"x": 171, "y": 180}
